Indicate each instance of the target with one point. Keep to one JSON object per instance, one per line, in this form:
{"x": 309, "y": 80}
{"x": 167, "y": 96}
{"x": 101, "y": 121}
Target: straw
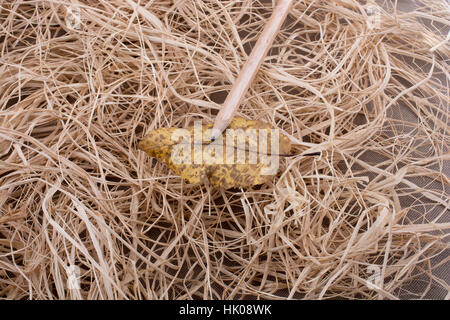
{"x": 79, "y": 202}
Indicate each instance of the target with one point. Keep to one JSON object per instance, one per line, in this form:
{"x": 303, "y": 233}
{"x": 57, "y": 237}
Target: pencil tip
{"x": 215, "y": 133}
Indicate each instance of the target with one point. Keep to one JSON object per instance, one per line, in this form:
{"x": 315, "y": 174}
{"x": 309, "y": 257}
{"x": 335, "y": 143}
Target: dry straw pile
{"x": 82, "y": 81}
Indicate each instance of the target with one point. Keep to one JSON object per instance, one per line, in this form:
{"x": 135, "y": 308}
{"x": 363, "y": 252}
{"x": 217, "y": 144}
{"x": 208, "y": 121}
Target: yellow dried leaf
{"x": 247, "y": 154}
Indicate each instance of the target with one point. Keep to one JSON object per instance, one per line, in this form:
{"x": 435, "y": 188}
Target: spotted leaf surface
{"x": 246, "y": 154}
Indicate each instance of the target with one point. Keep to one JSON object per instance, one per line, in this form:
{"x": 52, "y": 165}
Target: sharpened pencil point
{"x": 215, "y": 133}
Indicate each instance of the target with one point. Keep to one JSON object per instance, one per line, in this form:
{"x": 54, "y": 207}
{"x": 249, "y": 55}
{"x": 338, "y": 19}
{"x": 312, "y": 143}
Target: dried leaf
{"x": 250, "y": 158}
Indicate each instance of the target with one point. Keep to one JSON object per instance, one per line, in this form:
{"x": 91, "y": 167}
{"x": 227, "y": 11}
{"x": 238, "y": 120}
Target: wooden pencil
{"x": 250, "y": 68}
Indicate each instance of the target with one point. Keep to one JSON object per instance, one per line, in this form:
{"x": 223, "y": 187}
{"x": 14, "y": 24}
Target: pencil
{"x": 250, "y": 68}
